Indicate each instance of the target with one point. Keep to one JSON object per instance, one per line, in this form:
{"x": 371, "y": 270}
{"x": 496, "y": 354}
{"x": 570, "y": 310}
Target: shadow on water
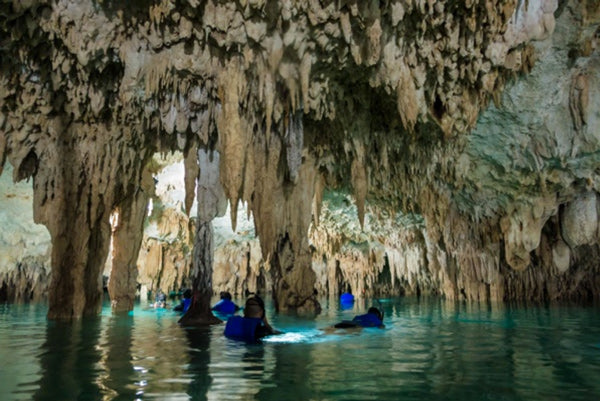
{"x": 198, "y": 369}
{"x": 69, "y": 361}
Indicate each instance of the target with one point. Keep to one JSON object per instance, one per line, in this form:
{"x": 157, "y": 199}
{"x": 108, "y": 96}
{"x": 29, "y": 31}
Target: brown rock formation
{"x": 211, "y": 203}
{"x": 380, "y": 97}
{"x": 127, "y": 239}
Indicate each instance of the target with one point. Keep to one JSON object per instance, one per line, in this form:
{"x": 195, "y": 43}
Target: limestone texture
{"x": 479, "y": 116}
{"x": 24, "y": 245}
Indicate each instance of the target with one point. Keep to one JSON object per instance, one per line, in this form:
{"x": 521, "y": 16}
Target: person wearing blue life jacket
{"x": 225, "y": 305}
{"x": 185, "y": 302}
{"x": 160, "y": 300}
{"x": 373, "y": 318}
{"x": 253, "y": 325}
{"x": 346, "y": 300}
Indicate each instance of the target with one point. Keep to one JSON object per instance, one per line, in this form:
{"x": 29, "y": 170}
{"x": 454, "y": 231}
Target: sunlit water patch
{"x": 429, "y": 349}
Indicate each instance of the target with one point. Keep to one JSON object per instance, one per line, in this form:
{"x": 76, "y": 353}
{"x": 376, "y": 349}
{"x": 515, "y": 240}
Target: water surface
{"x": 430, "y": 350}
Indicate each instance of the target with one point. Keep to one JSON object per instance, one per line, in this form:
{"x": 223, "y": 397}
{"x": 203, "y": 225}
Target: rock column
{"x": 282, "y": 214}
{"x": 78, "y": 182}
{"x": 80, "y": 239}
{"x": 127, "y": 239}
{"x": 211, "y": 202}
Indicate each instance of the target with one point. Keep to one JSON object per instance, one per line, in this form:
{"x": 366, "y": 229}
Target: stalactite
{"x": 27, "y": 282}
{"x": 191, "y": 173}
{"x": 294, "y": 141}
{"x": 2, "y": 145}
{"x": 407, "y": 98}
{"x": 318, "y": 200}
{"x": 233, "y": 136}
{"x": 579, "y": 100}
{"x": 359, "y": 182}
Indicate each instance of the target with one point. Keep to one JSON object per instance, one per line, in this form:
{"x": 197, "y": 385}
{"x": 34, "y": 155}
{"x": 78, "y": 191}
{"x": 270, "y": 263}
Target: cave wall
{"x": 529, "y": 178}
{"x": 381, "y": 99}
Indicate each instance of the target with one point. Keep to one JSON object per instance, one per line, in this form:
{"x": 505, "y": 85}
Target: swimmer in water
{"x": 160, "y": 301}
{"x": 253, "y": 325}
{"x": 373, "y": 318}
{"x": 225, "y": 305}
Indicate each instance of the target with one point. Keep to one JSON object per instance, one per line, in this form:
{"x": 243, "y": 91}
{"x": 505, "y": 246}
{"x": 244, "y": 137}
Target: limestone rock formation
{"x": 24, "y": 245}
{"x": 165, "y": 257}
{"x": 383, "y": 99}
{"x": 386, "y": 256}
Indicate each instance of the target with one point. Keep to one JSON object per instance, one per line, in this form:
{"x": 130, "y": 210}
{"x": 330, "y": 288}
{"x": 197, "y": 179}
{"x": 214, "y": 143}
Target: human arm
{"x": 269, "y": 328}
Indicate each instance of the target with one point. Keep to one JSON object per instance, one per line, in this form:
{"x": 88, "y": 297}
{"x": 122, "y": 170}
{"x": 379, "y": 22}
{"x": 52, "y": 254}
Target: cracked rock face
{"x": 384, "y": 99}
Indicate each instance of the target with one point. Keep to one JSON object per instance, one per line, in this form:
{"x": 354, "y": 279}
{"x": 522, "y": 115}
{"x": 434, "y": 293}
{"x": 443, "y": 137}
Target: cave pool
{"x": 431, "y": 349}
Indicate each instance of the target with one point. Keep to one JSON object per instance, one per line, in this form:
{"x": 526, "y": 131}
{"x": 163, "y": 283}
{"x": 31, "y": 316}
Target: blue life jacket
{"x": 367, "y": 320}
{"x": 186, "y": 304}
{"x": 346, "y": 298}
{"x": 225, "y": 306}
{"x": 242, "y": 328}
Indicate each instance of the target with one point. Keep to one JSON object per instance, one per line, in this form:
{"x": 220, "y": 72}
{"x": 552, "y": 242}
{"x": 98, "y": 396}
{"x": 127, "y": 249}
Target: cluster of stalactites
{"x": 243, "y": 70}
{"x": 438, "y": 64}
{"x": 240, "y": 77}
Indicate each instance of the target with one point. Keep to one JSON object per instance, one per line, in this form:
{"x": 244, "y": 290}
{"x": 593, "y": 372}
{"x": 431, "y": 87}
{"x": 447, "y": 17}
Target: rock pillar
{"x": 126, "y": 241}
{"x": 293, "y": 278}
{"x": 77, "y": 183}
{"x": 282, "y": 209}
{"x": 79, "y": 249}
{"x": 199, "y": 312}
{"x": 211, "y": 202}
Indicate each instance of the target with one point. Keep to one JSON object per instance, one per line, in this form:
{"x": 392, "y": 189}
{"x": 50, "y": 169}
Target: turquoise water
{"x": 429, "y": 350}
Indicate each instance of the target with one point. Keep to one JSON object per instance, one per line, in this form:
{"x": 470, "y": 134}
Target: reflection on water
{"x": 118, "y": 376}
{"x": 70, "y": 361}
{"x": 430, "y": 349}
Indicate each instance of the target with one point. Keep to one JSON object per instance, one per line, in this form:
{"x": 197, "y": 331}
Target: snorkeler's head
{"x": 225, "y": 295}
{"x": 255, "y": 307}
{"x": 376, "y": 312}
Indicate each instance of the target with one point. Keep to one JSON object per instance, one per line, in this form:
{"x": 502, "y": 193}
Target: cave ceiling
{"x": 395, "y": 101}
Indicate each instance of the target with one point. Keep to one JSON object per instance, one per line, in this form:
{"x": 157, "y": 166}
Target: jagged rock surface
{"x": 24, "y": 245}
{"x": 376, "y": 97}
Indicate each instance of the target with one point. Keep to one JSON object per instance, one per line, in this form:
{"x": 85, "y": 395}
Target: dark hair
{"x": 256, "y": 300}
{"x": 187, "y": 293}
{"x": 376, "y": 312}
{"x": 225, "y": 295}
